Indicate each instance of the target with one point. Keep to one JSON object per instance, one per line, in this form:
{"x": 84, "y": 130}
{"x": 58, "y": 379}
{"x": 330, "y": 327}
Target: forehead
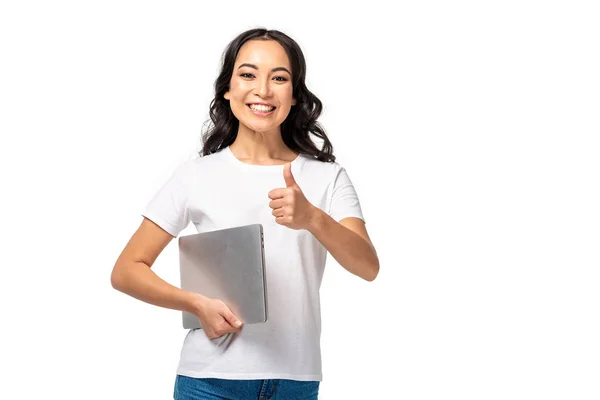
{"x": 265, "y": 54}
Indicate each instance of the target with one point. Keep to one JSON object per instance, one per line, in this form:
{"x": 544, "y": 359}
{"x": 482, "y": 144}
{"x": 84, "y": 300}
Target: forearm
{"x": 138, "y": 280}
{"x": 349, "y": 249}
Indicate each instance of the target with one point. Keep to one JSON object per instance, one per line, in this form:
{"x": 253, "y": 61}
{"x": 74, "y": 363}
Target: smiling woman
{"x": 258, "y": 165}
{"x": 261, "y": 95}
{"x": 260, "y": 92}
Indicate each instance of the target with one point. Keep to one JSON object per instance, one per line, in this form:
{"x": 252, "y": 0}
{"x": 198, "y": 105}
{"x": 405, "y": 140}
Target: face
{"x": 261, "y": 74}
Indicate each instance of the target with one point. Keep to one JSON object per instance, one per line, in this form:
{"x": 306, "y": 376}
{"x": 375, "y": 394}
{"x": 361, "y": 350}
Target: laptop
{"x": 229, "y": 265}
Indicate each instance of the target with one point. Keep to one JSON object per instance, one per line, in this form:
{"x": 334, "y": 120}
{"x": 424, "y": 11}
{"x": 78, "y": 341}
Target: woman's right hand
{"x": 216, "y": 319}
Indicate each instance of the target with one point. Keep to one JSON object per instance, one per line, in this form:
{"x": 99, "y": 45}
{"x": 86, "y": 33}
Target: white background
{"x": 469, "y": 129}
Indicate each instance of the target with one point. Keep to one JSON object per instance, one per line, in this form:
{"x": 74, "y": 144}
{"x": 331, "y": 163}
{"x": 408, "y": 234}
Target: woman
{"x": 258, "y": 165}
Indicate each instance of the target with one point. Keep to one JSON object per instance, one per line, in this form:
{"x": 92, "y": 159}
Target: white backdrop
{"x": 469, "y": 129}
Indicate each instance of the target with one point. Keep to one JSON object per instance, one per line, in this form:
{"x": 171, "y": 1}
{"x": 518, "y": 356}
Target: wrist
{"x": 315, "y": 220}
{"x": 196, "y": 302}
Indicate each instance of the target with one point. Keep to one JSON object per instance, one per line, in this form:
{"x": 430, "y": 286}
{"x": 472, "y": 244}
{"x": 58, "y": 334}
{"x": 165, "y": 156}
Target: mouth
{"x": 261, "y": 110}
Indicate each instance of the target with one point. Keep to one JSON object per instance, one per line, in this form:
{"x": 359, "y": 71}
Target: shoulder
{"x": 323, "y": 173}
{"x": 322, "y": 168}
{"x": 197, "y": 162}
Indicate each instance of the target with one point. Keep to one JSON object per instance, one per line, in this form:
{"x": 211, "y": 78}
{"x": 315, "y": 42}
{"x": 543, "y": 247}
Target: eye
{"x": 278, "y": 78}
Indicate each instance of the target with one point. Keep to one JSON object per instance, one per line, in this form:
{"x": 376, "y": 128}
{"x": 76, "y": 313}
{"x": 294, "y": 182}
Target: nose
{"x": 263, "y": 88}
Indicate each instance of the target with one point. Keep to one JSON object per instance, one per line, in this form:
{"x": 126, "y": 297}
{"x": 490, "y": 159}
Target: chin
{"x": 262, "y": 127}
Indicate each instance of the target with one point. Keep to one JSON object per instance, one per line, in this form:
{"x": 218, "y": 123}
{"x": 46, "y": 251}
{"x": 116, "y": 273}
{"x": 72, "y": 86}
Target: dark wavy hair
{"x": 302, "y": 119}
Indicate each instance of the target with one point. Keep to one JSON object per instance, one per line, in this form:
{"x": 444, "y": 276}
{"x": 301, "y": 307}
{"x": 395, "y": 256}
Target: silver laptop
{"x": 229, "y": 265}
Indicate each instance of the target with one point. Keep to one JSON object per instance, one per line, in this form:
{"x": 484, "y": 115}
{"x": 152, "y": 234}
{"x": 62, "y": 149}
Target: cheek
{"x": 238, "y": 89}
{"x": 287, "y": 95}
{"x": 238, "y": 110}
{"x": 236, "y": 101}
{"x": 234, "y": 92}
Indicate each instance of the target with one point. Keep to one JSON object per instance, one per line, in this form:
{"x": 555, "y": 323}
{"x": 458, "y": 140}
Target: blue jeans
{"x": 188, "y": 388}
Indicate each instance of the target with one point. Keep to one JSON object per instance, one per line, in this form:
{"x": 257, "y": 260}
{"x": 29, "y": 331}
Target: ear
{"x": 226, "y": 95}
{"x": 293, "y": 101}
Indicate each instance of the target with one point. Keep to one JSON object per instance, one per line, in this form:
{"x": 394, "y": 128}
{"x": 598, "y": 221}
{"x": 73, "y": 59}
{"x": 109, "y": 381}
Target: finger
{"x": 232, "y": 319}
{"x": 277, "y": 193}
{"x": 274, "y": 204}
{"x": 287, "y": 175}
{"x": 226, "y": 327}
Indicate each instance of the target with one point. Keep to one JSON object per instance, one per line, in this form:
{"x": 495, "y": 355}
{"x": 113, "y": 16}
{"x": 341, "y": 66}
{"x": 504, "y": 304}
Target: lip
{"x": 261, "y": 114}
{"x": 262, "y": 104}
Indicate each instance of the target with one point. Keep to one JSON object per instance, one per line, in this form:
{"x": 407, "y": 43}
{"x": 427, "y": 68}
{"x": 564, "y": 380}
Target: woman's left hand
{"x": 290, "y": 206}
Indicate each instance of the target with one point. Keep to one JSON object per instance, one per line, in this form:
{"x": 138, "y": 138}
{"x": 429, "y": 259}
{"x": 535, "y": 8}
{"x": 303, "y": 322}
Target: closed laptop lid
{"x": 229, "y": 265}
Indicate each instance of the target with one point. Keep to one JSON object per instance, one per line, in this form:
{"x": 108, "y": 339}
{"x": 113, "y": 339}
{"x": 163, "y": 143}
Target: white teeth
{"x": 261, "y": 108}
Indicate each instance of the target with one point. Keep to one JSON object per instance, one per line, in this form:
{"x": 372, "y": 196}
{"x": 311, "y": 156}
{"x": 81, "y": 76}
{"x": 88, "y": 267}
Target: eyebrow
{"x": 273, "y": 70}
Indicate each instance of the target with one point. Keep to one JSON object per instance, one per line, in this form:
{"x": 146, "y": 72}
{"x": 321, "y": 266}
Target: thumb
{"x": 287, "y": 175}
{"x": 232, "y": 319}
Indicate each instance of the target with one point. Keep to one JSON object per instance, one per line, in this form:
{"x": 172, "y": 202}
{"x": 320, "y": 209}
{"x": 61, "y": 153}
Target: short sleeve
{"x": 168, "y": 208}
{"x": 344, "y": 200}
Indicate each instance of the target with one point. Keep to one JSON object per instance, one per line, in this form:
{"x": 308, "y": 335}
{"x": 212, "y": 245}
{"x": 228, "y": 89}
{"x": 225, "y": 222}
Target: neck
{"x": 256, "y": 147}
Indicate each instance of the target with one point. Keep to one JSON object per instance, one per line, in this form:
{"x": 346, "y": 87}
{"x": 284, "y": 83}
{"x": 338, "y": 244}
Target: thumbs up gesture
{"x": 289, "y": 205}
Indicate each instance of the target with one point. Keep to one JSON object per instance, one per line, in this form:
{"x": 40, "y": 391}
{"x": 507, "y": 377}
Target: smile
{"x": 260, "y": 110}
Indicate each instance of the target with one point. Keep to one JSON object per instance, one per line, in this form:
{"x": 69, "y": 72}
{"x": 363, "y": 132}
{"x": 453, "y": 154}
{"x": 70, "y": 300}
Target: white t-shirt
{"x": 219, "y": 191}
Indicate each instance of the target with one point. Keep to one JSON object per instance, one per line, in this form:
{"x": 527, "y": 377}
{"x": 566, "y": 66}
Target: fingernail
{"x": 238, "y": 324}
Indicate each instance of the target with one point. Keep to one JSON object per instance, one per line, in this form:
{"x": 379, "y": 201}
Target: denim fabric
{"x": 188, "y": 388}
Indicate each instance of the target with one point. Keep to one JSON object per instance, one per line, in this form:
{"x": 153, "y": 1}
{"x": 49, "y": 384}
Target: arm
{"x": 348, "y": 242}
{"x": 132, "y": 273}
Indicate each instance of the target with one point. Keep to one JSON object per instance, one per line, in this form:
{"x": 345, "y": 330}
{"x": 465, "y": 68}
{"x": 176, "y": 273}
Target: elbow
{"x": 116, "y": 279}
{"x": 123, "y": 275}
{"x": 374, "y": 271}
